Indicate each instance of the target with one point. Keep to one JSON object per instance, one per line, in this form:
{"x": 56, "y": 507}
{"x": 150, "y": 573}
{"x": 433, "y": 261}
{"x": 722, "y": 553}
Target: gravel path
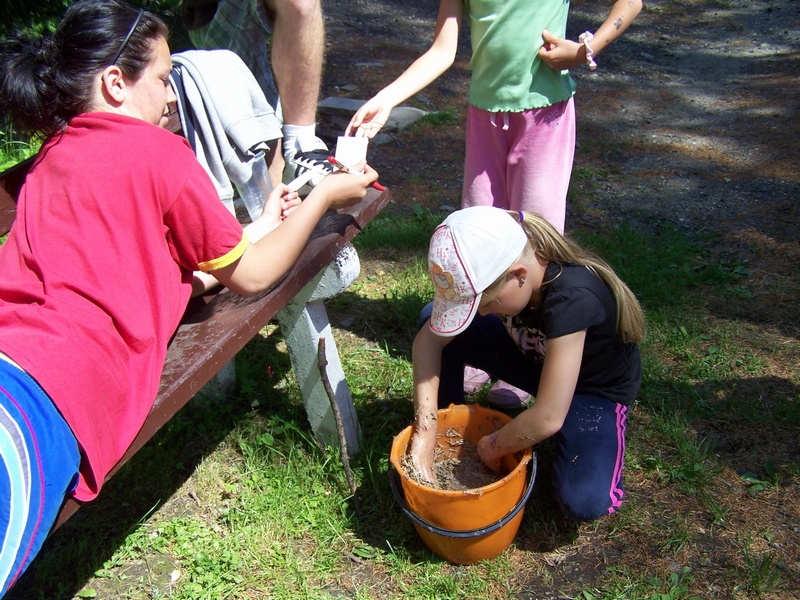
{"x": 691, "y": 117}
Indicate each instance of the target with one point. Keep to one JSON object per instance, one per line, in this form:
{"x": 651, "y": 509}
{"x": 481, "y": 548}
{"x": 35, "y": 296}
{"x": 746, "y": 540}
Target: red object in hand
{"x": 344, "y": 168}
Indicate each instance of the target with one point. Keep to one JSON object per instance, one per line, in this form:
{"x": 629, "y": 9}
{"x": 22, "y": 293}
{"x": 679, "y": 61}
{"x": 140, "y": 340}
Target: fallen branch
{"x": 323, "y": 362}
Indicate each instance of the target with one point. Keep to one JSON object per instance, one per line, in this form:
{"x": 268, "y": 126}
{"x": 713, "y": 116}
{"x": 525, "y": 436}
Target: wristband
{"x": 584, "y": 39}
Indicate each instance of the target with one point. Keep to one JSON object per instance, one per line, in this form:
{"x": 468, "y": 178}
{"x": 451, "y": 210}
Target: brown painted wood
{"x": 212, "y": 333}
{"x": 11, "y": 181}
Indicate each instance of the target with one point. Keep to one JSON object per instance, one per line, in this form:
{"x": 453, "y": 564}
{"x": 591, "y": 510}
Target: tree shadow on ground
{"x": 81, "y": 547}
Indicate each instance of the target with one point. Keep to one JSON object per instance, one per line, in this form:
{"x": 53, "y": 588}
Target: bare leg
{"x": 298, "y": 42}
{"x": 275, "y": 162}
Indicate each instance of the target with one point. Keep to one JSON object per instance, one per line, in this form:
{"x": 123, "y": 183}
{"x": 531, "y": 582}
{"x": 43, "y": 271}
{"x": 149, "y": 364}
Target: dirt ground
{"x": 691, "y": 118}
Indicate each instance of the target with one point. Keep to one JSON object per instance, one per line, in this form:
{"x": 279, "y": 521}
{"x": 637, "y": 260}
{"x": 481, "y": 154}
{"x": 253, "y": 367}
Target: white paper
{"x": 351, "y": 150}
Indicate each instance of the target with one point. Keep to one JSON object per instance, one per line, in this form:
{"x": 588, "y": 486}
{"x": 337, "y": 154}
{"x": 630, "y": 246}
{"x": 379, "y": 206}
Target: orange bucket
{"x": 465, "y": 527}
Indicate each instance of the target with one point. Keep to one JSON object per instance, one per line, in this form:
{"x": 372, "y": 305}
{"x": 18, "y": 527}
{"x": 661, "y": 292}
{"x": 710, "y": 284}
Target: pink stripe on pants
{"x": 525, "y": 166}
{"x": 617, "y": 492}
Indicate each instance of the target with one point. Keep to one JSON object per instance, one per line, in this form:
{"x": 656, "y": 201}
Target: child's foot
{"x": 506, "y": 396}
{"x": 474, "y": 379}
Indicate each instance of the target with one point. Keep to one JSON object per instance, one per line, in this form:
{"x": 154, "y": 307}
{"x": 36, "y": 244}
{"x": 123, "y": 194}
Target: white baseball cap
{"x": 468, "y": 252}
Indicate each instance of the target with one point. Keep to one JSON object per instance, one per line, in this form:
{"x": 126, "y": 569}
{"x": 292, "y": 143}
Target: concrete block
{"x": 339, "y": 275}
{"x": 344, "y": 108}
{"x": 303, "y": 322}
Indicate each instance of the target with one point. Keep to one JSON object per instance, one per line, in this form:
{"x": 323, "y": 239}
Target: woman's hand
{"x": 346, "y": 189}
{"x": 560, "y": 54}
{"x": 487, "y": 452}
{"x": 369, "y": 119}
{"x": 280, "y": 202}
{"x": 289, "y": 201}
{"x": 272, "y": 214}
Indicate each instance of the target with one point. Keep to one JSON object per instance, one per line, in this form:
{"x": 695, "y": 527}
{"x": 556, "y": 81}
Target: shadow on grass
{"x": 742, "y": 424}
{"x": 80, "y": 548}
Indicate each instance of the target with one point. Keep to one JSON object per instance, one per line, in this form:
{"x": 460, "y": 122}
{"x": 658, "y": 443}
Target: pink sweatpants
{"x": 521, "y": 161}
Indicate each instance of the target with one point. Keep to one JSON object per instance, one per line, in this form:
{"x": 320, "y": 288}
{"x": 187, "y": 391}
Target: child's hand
{"x": 424, "y": 471}
{"x": 487, "y": 451}
{"x": 560, "y": 54}
{"x": 423, "y": 446}
{"x": 369, "y": 119}
{"x": 423, "y": 443}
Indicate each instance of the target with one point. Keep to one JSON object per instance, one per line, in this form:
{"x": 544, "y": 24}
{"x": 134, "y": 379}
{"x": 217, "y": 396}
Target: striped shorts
{"x": 39, "y": 462}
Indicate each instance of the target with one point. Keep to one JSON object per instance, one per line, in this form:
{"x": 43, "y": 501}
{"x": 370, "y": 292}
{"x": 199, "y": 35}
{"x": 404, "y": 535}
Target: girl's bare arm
{"x": 561, "y": 54}
{"x": 427, "y": 359}
{"x": 546, "y": 416}
{"x": 372, "y": 116}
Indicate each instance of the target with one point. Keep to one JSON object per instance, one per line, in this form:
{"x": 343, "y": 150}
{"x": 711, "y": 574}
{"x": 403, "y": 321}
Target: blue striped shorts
{"x": 39, "y": 462}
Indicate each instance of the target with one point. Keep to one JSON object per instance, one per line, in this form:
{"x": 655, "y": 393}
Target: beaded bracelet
{"x": 584, "y": 39}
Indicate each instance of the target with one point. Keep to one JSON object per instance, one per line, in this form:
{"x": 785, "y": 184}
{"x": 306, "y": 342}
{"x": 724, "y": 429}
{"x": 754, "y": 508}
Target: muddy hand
{"x": 423, "y": 445}
{"x": 487, "y": 451}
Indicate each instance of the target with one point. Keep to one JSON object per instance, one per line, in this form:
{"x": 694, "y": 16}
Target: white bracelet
{"x": 584, "y": 39}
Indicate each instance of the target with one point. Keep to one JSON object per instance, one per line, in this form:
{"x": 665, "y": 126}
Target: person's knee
{"x": 581, "y": 503}
{"x": 295, "y": 9}
{"x": 426, "y": 313}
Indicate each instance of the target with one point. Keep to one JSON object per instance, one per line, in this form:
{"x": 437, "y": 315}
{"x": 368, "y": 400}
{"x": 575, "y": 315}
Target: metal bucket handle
{"x": 399, "y": 495}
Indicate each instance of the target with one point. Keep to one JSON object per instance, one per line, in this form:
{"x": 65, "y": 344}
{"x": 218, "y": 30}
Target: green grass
{"x": 13, "y": 150}
{"x": 234, "y": 498}
{"x": 435, "y": 120}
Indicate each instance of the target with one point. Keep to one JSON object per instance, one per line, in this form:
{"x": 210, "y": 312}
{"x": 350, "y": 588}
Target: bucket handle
{"x": 399, "y": 496}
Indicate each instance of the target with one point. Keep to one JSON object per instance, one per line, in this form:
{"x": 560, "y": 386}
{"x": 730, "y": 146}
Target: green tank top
{"x": 507, "y": 74}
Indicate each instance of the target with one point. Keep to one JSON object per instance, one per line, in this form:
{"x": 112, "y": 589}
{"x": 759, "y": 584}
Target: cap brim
{"x": 451, "y": 318}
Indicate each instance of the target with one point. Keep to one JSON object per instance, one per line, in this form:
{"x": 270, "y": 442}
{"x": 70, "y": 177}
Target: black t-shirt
{"x": 576, "y": 299}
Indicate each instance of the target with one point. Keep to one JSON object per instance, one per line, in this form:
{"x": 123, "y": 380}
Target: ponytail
{"x": 46, "y": 80}
{"x": 26, "y": 95}
{"x": 550, "y": 246}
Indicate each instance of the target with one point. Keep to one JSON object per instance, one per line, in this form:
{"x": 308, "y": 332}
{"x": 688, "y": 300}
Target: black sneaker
{"x": 315, "y": 160}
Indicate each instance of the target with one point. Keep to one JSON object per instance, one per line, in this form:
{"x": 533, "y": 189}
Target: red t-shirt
{"x": 96, "y": 273}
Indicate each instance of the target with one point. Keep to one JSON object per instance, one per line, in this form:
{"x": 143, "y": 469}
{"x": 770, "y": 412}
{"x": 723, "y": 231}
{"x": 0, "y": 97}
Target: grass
{"x": 234, "y": 499}
{"x": 14, "y": 150}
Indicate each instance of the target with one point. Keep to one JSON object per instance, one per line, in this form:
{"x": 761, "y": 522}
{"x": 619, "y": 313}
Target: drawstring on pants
{"x": 505, "y": 120}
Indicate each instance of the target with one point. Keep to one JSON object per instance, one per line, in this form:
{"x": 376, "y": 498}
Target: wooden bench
{"x": 215, "y": 327}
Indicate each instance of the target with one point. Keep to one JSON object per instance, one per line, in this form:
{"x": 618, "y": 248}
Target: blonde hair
{"x": 546, "y": 243}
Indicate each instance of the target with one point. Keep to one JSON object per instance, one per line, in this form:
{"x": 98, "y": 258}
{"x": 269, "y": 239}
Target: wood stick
{"x": 323, "y": 362}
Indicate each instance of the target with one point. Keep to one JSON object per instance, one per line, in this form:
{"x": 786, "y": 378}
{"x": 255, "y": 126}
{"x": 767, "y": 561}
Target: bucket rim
{"x": 399, "y": 496}
{"x": 524, "y": 454}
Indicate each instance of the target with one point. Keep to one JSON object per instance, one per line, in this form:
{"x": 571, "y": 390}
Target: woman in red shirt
{"x": 115, "y": 216}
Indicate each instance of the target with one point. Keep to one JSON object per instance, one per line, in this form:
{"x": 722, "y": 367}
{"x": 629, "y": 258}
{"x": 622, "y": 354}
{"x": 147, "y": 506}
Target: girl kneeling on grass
{"x": 517, "y": 299}
{"x": 114, "y": 217}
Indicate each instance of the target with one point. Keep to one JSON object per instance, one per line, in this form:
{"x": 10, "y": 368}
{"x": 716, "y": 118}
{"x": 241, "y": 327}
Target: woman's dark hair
{"x": 45, "y": 80}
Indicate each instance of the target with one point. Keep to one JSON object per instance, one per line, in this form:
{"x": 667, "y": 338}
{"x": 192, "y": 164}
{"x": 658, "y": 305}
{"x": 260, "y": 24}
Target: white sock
{"x": 300, "y": 138}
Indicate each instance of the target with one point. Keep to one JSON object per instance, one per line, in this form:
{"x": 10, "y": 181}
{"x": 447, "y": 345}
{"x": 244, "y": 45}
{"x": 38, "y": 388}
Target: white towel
{"x": 224, "y": 115}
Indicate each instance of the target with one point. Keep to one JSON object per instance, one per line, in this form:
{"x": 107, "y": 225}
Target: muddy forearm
{"x": 427, "y": 359}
